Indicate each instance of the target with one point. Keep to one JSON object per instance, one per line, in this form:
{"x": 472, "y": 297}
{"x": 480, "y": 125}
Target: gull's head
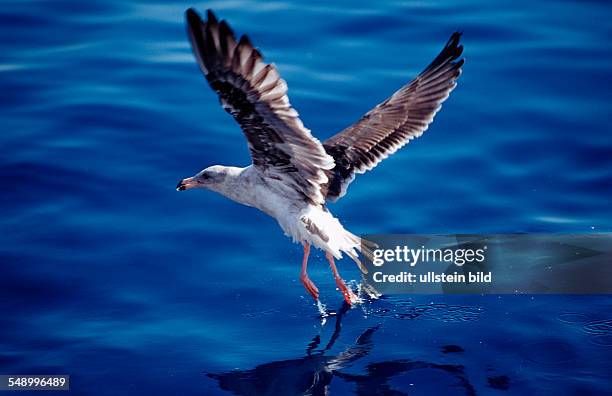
{"x": 209, "y": 178}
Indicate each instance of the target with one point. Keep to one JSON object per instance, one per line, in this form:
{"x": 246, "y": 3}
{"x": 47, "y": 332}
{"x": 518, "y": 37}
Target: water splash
{"x": 323, "y": 312}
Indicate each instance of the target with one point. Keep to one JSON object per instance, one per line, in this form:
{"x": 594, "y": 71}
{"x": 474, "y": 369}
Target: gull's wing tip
{"x": 211, "y": 17}
{"x": 453, "y": 46}
{"x": 192, "y": 15}
{"x": 193, "y": 19}
{"x": 454, "y": 39}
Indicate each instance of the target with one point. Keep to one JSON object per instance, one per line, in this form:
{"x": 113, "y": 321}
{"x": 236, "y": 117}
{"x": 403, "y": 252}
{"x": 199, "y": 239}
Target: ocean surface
{"x": 110, "y": 275}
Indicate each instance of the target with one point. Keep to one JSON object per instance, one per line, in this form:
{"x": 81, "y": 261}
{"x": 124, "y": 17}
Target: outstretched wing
{"x": 394, "y": 122}
{"x": 256, "y": 96}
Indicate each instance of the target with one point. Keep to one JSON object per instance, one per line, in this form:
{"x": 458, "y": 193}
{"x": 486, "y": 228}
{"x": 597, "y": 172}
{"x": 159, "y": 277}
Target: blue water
{"x": 109, "y": 275}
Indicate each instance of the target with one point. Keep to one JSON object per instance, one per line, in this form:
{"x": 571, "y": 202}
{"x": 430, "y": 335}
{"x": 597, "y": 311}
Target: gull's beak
{"x": 185, "y": 184}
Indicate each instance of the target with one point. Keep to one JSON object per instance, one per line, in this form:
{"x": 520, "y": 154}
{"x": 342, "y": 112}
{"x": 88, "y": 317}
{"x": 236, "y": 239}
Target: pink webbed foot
{"x": 347, "y": 293}
{"x": 310, "y": 286}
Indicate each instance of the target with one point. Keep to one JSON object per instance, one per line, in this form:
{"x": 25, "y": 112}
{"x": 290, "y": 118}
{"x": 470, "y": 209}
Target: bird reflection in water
{"x": 313, "y": 373}
{"x": 309, "y": 375}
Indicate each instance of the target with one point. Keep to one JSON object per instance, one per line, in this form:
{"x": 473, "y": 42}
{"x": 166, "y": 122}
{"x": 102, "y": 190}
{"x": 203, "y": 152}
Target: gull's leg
{"x": 310, "y": 287}
{"x": 346, "y": 292}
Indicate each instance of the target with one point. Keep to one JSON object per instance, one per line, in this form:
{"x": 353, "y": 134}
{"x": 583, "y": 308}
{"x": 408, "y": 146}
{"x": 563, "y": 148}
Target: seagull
{"x": 293, "y": 175}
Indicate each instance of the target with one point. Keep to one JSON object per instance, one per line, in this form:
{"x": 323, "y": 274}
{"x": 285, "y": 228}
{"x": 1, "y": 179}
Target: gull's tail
{"x": 322, "y": 229}
{"x": 363, "y": 246}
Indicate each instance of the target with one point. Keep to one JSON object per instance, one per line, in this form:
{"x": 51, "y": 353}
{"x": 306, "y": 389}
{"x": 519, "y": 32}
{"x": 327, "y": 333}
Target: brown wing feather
{"x": 394, "y": 122}
{"x": 256, "y": 96}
